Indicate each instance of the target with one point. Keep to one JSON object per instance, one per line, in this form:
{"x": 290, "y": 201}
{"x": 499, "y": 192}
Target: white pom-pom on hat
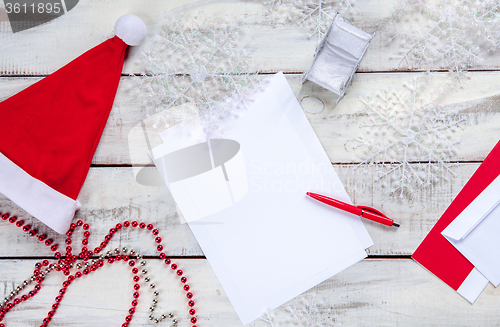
{"x": 131, "y": 29}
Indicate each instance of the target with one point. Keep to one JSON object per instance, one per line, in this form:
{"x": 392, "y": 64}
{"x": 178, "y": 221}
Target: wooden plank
{"x": 274, "y": 43}
{"x": 46, "y": 48}
{"x": 336, "y": 126}
{"x": 111, "y": 195}
{"x": 339, "y": 124}
{"x": 370, "y": 293}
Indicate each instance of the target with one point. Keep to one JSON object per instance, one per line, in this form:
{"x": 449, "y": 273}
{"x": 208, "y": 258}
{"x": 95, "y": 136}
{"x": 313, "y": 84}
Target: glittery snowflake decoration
{"x": 408, "y": 140}
{"x": 310, "y": 312}
{"x": 195, "y": 61}
{"x": 317, "y": 15}
{"x": 305, "y": 311}
{"x": 445, "y": 34}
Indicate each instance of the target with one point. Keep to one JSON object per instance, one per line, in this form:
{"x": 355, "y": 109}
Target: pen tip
{"x": 395, "y": 224}
{"x": 308, "y": 193}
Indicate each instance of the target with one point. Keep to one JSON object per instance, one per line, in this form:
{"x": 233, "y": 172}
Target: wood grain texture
{"x": 111, "y": 195}
{"x": 371, "y": 293}
{"x": 275, "y": 44}
{"x": 336, "y": 125}
{"x": 374, "y": 292}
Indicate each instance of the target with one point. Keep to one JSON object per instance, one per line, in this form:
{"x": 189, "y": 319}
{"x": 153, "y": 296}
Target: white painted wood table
{"x": 386, "y": 289}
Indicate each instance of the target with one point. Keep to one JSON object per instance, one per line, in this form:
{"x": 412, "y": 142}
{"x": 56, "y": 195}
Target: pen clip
{"x": 372, "y": 211}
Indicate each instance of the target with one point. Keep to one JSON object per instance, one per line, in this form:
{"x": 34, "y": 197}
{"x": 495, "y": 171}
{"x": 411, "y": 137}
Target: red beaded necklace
{"x": 64, "y": 265}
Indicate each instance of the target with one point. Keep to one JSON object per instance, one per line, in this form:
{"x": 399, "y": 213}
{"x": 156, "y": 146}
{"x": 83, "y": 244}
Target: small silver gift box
{"x": 338, "y": 56}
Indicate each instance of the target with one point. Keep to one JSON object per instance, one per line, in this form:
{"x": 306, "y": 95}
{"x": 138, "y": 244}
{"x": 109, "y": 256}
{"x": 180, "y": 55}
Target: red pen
{"x": 362, "y": 211}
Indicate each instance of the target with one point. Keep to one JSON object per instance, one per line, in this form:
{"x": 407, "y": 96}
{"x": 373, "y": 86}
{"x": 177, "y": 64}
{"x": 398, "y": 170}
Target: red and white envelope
{"x": 437, "y": 254}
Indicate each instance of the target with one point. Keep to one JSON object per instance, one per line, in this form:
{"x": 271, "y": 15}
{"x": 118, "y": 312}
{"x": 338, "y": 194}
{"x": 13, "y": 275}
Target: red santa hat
{"x": 52, "y": 128}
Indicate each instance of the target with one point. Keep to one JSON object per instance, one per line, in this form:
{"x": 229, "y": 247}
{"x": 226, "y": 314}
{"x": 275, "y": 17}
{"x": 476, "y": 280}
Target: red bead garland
{"x": 65, "y": 265}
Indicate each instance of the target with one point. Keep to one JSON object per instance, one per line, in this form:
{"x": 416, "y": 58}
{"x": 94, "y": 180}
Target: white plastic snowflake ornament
{"x": 195, "y": 61}
{"x": 317, "y": 15}
{"x": 304, "y": 311}
{"x": 445, "y": 34}
{"x": 409, "y": 139}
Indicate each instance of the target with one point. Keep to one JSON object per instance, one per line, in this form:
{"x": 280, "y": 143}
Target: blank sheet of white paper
{"x": 275, "y": 242}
